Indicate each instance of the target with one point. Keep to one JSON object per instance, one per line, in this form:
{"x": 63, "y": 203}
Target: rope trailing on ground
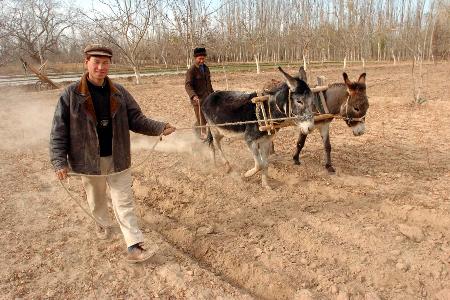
{"x": 78, "y": 201}
{"x": 153, "y": 148}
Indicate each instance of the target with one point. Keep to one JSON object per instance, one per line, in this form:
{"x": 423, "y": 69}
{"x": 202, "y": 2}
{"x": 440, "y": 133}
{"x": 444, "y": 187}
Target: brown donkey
{"x": 348, "y": 100}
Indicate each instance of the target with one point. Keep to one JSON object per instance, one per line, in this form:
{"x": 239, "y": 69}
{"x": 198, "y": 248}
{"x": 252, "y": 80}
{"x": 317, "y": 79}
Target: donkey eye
{"x": 356, "y": 109}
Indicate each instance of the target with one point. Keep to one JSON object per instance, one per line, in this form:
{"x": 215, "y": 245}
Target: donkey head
{"x": 300, "y": 98}
{"x": 355, "y": 107}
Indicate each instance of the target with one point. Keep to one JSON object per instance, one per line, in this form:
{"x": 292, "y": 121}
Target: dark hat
{"x": 199, "y": 52}
{"x": 98, "y": 50}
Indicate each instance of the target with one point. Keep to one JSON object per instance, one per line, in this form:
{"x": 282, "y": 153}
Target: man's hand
{"x": 168, "y": 129}
{"x": 196, "y": 99}
{"x": 62, "y": 173}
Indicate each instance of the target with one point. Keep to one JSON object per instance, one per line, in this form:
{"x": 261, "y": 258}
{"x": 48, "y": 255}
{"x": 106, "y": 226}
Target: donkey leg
{"x": 210, "y": 141}
{"x": 300, "y": 143}
{"x": 325, "y": 133}
{"x": 253, "y": 146}
{"x": 264, "y": 151}
{"x": 217, "y": 139}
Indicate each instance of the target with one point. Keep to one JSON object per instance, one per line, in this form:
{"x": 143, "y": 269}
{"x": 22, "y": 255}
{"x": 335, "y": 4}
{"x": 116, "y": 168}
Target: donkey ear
{"x": 362, "y": 78}
{"x": 346, "y": 80}
{"x": 302, "y": 74}
{"x": 290, "y": 81}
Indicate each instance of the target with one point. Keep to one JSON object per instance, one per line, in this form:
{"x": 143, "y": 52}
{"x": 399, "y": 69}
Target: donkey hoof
{"x": 297, "y": 162}
{"x": 266, "y": 186}
{"x": 330, "y": 169}
{"x": 251, "y": 172}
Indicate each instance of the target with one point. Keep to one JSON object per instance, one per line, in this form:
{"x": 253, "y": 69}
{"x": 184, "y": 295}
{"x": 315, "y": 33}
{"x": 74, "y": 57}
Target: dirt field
{"x": 378, "y": 229}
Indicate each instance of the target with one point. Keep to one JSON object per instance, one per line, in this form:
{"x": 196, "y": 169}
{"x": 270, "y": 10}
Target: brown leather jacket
{"x": 198, "y": 83}
{"x": 73, "y": 137}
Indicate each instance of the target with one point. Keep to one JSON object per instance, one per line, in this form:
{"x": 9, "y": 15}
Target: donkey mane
{"x": 336, "y": 84}
{"x": 354, "y": 86}
{"x": 274, "y": 87}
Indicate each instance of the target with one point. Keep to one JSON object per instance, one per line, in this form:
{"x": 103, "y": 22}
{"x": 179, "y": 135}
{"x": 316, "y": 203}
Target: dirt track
{"x": 379, "y": 228}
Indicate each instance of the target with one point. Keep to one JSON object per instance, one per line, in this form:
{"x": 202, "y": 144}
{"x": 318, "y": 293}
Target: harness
{"x": 350, "y": 119}
{"x": 266, "y": 122}
{"x": 318, "y": 95}
{"x": 323, "y": 111}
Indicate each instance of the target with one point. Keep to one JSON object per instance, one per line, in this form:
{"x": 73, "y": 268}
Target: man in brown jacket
{"x": 91, "y": 136}
{"x": 198, "y": 85}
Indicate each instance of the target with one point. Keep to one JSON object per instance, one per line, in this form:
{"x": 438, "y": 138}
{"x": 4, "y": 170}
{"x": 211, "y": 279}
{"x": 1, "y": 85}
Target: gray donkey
{"x": 233, "y": 107}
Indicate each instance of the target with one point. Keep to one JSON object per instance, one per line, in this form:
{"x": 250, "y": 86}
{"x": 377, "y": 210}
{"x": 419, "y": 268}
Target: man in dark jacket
{"x": 90, "y": 135}
{"x": 198, "y": 85}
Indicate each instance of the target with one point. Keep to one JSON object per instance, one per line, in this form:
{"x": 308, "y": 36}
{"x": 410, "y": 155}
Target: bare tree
{"x": 166, "y": 31}
{"x": 36, "y": 27}
{"x": 440, "y": 37}
{"x": 125, "y": 24}
{"x": 190, "y": 22}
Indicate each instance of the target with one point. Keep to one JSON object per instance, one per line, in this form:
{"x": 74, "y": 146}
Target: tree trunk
{"x": 379, "y": 51}
{"x": 258, "y": 70}
{"x": 393, "y": 56}
{"x": 137, "y": 74}
{"x": 163, "y": 58}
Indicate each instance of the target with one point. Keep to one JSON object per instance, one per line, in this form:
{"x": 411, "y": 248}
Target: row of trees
{"x": 166, "y": 31}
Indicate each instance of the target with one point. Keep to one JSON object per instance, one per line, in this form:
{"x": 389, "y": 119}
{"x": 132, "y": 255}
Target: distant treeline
{"x": 146, "y": 32}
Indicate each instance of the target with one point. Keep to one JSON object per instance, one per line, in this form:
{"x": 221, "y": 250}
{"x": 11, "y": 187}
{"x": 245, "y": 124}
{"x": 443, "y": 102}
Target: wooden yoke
{"x": 264, "y": 124}
{"x": 260, "y": 99}
{"x": 319, "y": 90}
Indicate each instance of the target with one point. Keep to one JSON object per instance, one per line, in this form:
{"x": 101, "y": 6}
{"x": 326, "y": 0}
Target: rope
{"x": 153, "y": 148}
{"x": 78, "y": 202}
{"x": 130, "y": 168}
{"x": 235, "y": 123}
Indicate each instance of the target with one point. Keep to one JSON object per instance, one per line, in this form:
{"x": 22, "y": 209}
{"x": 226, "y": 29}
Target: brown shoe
{"x": 139, "y": 254}
{"x": 103, "y": 233}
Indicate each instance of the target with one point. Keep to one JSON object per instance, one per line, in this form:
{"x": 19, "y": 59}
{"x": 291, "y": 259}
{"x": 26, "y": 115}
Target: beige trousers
{"x": 121, "y": 196}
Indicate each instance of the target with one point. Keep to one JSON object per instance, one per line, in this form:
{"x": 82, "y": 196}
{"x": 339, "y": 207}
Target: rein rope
{"x": 77, "y": 199}
{"x": 270, "y": 120}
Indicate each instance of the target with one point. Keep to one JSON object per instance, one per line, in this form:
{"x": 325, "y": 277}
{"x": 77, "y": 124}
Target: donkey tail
{"x": 209, "y": 137}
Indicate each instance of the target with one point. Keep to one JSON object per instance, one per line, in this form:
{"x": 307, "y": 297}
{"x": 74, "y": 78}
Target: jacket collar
{"x": 83, "y": 90}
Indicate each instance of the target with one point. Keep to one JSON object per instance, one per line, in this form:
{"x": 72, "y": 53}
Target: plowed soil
{"x": 377, "y": 229}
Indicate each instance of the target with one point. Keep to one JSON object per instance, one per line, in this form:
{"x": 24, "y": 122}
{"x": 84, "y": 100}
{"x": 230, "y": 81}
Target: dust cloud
{"x": 178, "y": 142}
{"x": 25, "y": 121}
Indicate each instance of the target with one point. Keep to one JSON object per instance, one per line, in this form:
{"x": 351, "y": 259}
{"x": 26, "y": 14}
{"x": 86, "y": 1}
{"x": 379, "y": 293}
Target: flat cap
{"x": 98, "y": 50}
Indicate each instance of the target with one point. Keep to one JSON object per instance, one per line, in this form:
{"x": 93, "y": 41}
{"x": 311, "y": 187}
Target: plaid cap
{"x": 98, "y": 50}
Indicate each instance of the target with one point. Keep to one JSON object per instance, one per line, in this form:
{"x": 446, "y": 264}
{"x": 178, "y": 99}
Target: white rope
{"x": 79, "y": 200}
{"x": 236, "y": 123}
{"x": 130, "y": 168}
